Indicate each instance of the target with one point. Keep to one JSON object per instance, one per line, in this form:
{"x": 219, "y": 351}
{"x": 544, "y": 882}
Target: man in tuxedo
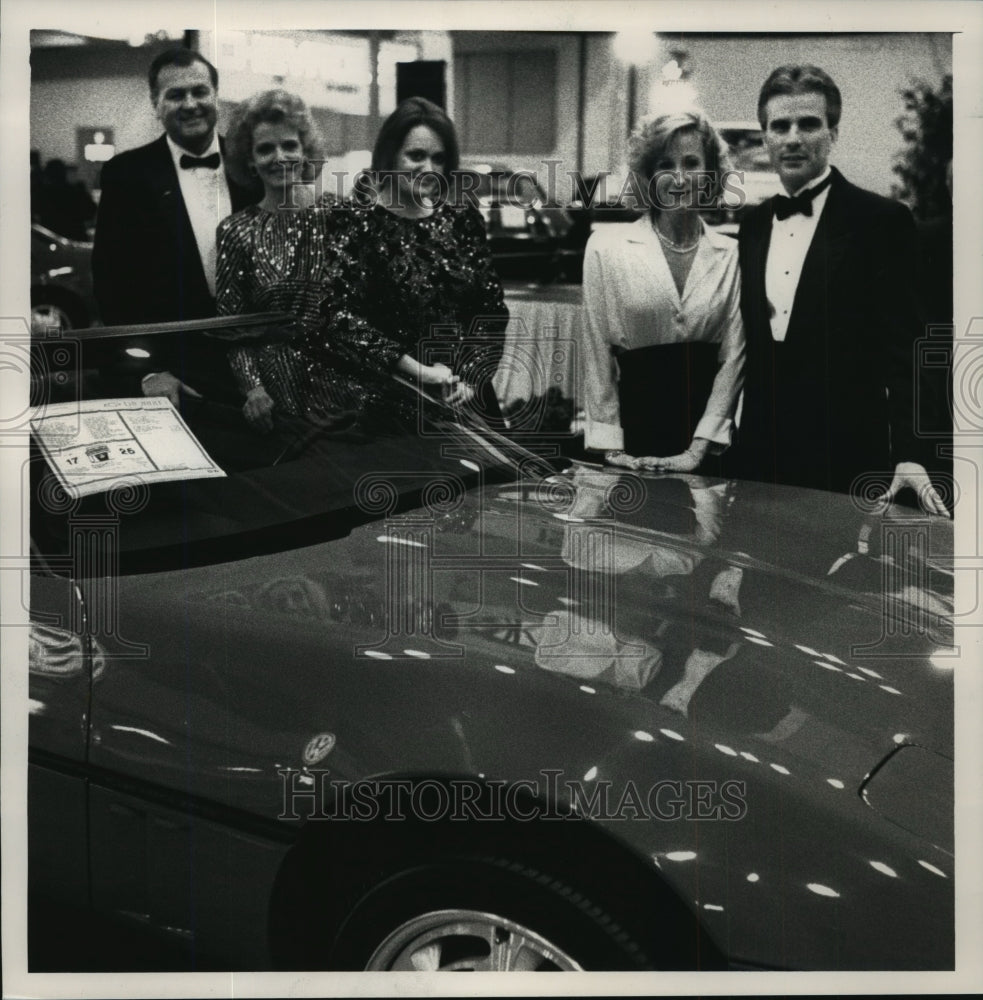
{"x": 155, "y": 242}
{"x": 830, "y": 313}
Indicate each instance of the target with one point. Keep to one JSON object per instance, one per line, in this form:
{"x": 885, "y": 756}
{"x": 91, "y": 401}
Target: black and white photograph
{"x": 490, "y": 487}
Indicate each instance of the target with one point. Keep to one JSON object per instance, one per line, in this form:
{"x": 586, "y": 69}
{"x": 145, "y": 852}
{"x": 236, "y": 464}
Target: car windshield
{"x": 309, "y": 483}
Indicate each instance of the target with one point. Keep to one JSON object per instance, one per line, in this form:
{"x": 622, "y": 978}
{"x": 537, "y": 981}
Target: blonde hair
{"x": 652, "y": 136}
{"x": 273, "y": 107}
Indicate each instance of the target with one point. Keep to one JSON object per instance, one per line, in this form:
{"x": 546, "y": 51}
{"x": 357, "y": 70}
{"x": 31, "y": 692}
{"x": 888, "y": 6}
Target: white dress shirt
{"x": 790, "y": 239}
{"x": 631, "y": 301}
{"x": 206, "y": 197}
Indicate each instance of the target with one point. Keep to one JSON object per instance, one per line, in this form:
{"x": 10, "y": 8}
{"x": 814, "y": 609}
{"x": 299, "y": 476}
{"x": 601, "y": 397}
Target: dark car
{"x": 526, "y": 230}
{"x": 404, "y": 695}
{"x": 61, "y": 282}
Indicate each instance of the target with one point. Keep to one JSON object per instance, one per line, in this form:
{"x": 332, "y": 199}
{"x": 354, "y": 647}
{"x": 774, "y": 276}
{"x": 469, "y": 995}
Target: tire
{"x": 480, "y": 914}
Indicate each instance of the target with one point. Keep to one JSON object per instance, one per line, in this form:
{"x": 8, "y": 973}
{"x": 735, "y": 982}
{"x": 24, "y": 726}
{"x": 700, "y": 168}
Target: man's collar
{"x": 814, "y": 182}
{"x": 178, "y": 151}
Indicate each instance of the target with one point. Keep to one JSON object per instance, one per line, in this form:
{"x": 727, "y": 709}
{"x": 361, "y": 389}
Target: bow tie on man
{"x": 212, "y": 162}
{"x": 801, "y": 204}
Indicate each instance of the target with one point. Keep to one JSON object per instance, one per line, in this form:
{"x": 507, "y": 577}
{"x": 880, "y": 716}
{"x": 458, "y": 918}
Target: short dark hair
{"x": 274, "y": 107}
{"x": 804, "y": 79}
{"x": 410, "y": 113}
{"x": 177, "y": 57}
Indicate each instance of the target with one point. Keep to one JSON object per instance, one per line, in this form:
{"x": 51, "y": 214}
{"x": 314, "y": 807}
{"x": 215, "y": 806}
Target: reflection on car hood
{"x": 774, "y": 616}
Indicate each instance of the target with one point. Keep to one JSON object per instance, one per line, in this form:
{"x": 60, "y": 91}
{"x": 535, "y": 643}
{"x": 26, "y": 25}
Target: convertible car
{"x": 396, "y": 693}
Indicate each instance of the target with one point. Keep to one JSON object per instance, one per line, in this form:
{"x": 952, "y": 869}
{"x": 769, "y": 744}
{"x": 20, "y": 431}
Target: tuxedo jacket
{"x": 145, "y": 263}
{"x": 835, "y": 403}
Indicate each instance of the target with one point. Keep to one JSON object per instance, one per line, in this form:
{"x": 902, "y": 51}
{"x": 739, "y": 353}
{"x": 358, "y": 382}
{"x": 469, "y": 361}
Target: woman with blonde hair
{"x": 663, "y": 349}
{"x": 276, "y": 256}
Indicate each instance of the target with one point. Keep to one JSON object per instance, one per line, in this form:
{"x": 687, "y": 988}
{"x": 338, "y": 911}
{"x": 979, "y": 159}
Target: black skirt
{"x": 663, "y": 391}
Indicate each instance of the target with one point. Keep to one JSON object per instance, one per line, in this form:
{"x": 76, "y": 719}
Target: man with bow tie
{"x": 155, "y": 243}
{"x": 830, "y": 314}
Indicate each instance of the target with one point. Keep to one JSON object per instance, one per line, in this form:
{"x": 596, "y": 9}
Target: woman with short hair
{"x": 276, "y": 256}
{"x": 662, "y": 295}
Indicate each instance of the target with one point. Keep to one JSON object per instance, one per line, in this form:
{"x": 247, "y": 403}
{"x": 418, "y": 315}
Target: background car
{"x": 61, "y": 282}
{"x": 599, "y": 205}
{"x": 404, "y": 695}
{"x": 749, "y": 155}
{"x": 527, "y": 231}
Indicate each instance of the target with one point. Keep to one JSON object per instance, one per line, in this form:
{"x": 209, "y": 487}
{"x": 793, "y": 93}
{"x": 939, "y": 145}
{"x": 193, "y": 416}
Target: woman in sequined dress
{"x": 415, "y": 292}
{"x": 275, "y": 256}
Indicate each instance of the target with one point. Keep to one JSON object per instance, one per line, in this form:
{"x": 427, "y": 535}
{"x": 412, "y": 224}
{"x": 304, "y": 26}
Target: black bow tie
{"x": 212, "y": 162}
{"x": 801, "y": 203}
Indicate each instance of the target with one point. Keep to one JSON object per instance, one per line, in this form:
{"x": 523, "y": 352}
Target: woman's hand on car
{"x": 457, "y": 393}
{"x": 622, "y": 459}
{"x": 258, "y": 409}
{"x": 687, "y": 461}
{"x": 438, "y": 374}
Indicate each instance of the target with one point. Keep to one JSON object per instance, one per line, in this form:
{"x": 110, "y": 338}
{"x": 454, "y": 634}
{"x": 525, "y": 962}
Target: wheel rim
{"x": 467, "y": 941}
{"x": 49, "y": 318}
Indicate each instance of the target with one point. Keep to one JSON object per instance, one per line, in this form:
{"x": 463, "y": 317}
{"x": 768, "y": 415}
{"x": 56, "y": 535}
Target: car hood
{"x": 598, "y": 627}
{"x": 767, "y": 616}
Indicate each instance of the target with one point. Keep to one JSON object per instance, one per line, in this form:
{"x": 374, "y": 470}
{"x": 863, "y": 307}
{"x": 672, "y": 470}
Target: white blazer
{"x": 631, "y": 301}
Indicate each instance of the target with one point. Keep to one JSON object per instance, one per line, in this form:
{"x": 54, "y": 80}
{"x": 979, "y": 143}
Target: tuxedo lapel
{"x": 161, "y": 174}
{"x": 754, "y": 261}
{"x": 165, "y": 189}
{"x": 829, "y": 245}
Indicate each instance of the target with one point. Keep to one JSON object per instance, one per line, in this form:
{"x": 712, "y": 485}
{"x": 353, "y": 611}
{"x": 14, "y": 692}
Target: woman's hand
{"x": 457, "y": 393}
{"x": 258, "y": 410}
{"x": 454, "y": 390}
{"x": 622, "y": 459}
{"x": 437, "y": 374}
{"x": 687, "y": 461}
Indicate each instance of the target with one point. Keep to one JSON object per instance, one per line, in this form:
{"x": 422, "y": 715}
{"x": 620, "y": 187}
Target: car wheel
{"x": 51, "y": 312}
{"x": 481, "y": 914}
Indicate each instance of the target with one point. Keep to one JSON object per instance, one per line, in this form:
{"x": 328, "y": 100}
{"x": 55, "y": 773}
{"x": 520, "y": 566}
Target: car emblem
{"x": 318, "y": 748}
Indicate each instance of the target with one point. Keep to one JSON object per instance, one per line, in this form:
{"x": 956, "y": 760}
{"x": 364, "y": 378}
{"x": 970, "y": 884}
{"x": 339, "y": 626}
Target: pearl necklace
{"x": 674, "y": 247}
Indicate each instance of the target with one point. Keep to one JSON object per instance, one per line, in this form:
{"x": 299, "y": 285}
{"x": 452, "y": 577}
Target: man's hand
{"x": 914, "y": 475}
{"x": 166, "y": 384}
{"x": 258, "y": 410}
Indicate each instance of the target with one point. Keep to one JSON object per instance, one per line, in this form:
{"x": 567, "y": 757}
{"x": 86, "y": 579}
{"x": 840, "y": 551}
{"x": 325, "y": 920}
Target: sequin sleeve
{"x": 235, "y": 256}
{"x": 348, "y": 330}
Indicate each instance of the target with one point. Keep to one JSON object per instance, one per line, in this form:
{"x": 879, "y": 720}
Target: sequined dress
{"x": 424, "y": 287}
{"x": 278, "y": 262}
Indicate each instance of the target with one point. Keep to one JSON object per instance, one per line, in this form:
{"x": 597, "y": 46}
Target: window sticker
{"x": 96, "y": 445}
